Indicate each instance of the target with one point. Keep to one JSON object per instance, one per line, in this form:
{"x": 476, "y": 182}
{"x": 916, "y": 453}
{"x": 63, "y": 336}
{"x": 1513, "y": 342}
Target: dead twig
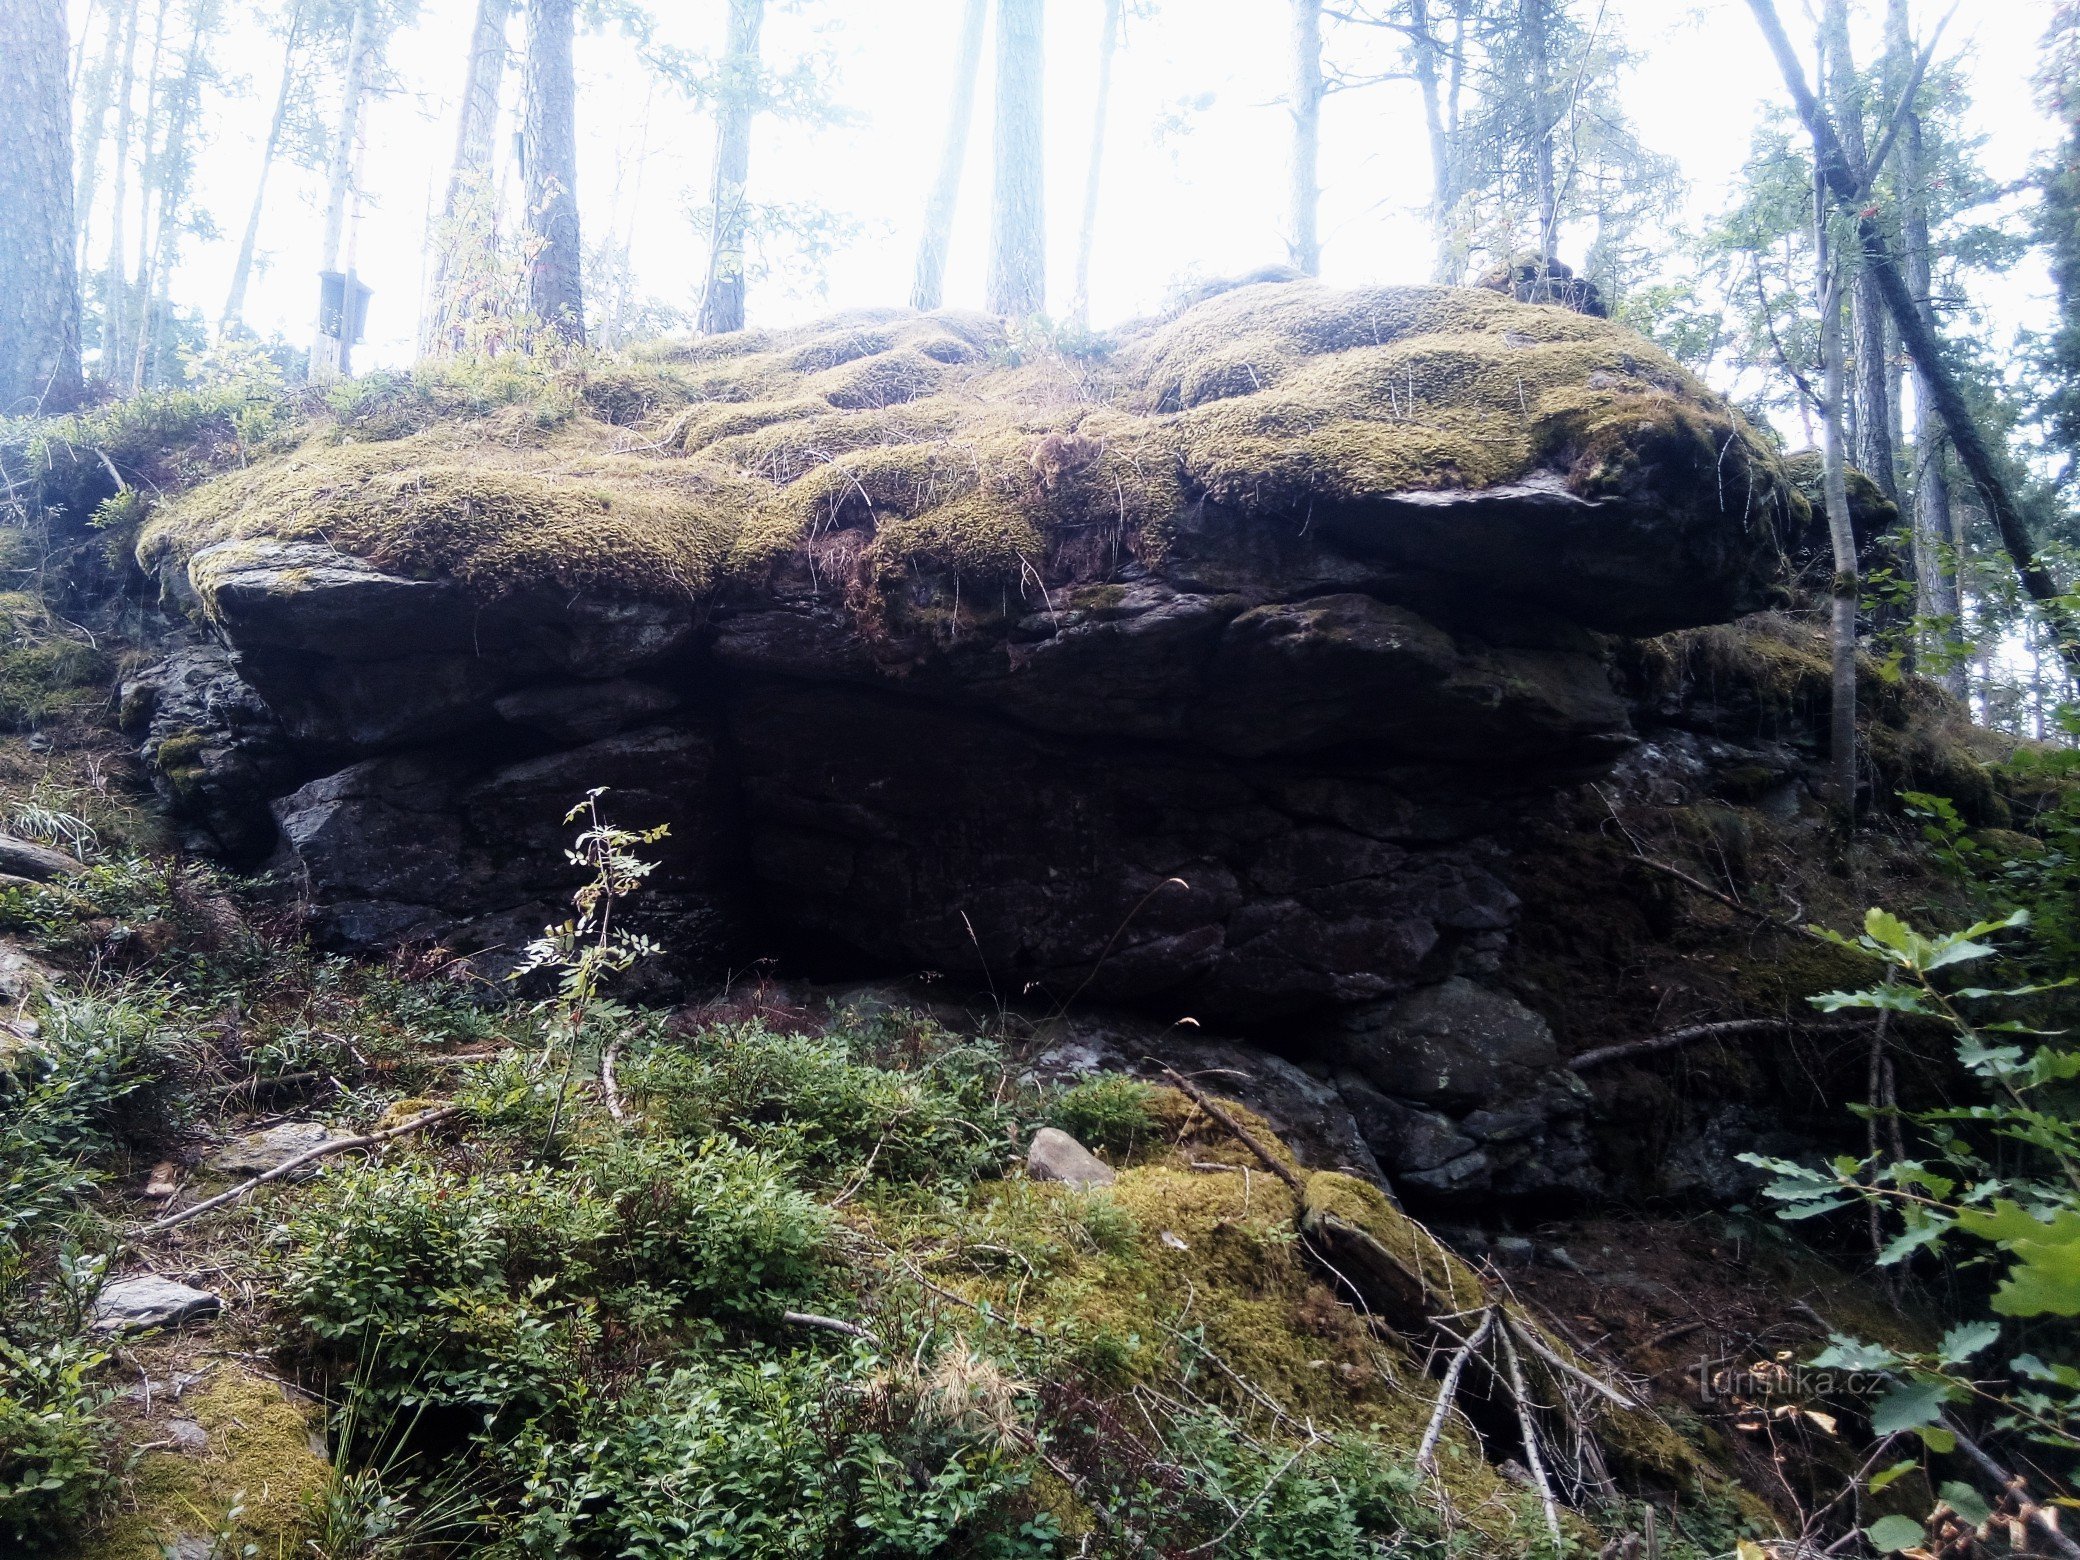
{"x": 610, "y": 1080}
{"x": 1532, "y": 1457}
{"x": 290, "y": 1166}
{"x": 1199, "y": 1097}
{"x": 1674, "y": 1039}
{"x": 1426, "y": 1452}
{"x": 1602, "y": 1389}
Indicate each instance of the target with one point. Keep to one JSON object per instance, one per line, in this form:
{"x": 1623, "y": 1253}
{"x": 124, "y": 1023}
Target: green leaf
{"x": 1845, "y": 1353}
{"x": 1892, "y": 1533}
{"x": 1966, "y": 1502}
{"x": 1937, "y": 1439}
{"x": 2045, "y": 1279}
{"x": 1886, "y": 930}
{"x": 1908, "y": 1406}
{"x": 1961, "y": 1342}
{"x": 1898, "y": 1470}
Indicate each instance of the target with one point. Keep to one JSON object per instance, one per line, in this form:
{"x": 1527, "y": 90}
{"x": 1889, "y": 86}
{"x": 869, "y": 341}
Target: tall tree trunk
{"x": 722, "y": 299}
{"x": 555, "y": 285}
{"x": 1087, "y": 232}
{"x": 1935, "y": 566}
{"x": 1871, "y": 396}
{"x": 1925, "y": 344}
{"x": 1423, "y": 52}
{"x": 39, "y": 279}
{"x": 1017, "y": 282}
{"x": 97, "y": 90}
{"x": 328, "y": 352}
{"x": 178, "y": 165}
{"x": 249, "y": 241}
{"x": 150, "y": 198}
{"x": 928, "y": 290}
{"x": 1846, "y": 591}
{"x": 468, "y": 231}
{"x": 1304, "y": 172}
{"x": 112, "y": 288}
{"x": 1536, "y": 43}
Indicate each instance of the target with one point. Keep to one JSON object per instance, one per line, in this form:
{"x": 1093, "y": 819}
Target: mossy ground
{"x": 879, "y": 444}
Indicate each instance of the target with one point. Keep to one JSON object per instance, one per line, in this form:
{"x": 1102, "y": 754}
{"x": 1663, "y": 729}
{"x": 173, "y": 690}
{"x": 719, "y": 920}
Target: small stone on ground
{"x": 259, "y": 1152}
{"x": 133, "y": 1304}
{"x": 1056, "y": 1156}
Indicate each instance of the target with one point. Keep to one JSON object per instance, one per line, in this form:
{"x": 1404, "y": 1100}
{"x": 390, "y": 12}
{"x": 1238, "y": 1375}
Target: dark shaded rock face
{"x": 1263, "y": 776}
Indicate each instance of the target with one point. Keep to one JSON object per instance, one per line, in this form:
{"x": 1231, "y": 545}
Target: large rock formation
{"x": 1209, "y": 671}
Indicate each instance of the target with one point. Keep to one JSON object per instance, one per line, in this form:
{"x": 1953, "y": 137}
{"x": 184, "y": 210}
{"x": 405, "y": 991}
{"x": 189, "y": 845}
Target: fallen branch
{"x": 1724, "y": 898}
{"x": 277, "y": 1082}
{"x": 1269, "y": 1160}
{"x": 289, "y": 1166}
{"x": 1724, "y": 1029}
{"x": 828, "y": 1324}
{"x": 1521, "y": 1394}
{"x": 1427, "y": 1451}
{"x": 1552, "y": 1357}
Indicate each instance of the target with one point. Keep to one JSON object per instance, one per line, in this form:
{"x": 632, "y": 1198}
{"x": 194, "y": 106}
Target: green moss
{"x": 884, "y": 445}
{"x": 258, "y": 1463}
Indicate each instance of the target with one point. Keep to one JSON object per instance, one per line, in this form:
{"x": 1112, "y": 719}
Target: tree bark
{"x": 1087, "y": 232}
{"x": 928, "y": 290}
{"x": 1846, "y": 592}
{"x": 1536, "y": 44}
{"x": 249, "y": 241}
{"x": 722, "y": 299}
{"x": 329, "y": 353}
{"x": 1872, "y": 393}
{"x": 1423, "y": 51}
{"x": 1017, "y": 283}
{"x": 468, "y": 231}
{"x": 1924, "y": 344}
{"x": 555, "y": 286}
{"x": 1304, "y": 197}
{"x": 39, "y": 278}
{"x": 1935, "y": 576}
{"x": 97, "y": 88}
{"x": 177, "y": 165}
{"x": 112, "y": 287}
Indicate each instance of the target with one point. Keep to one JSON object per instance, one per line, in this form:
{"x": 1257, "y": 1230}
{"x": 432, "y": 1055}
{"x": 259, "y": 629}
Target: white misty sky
{"x": 1193, "y": 180}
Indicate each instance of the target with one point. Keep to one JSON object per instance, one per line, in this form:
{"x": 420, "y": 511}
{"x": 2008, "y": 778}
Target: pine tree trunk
{"x": 249, "y": 241}
{"x": 1543, "y": 120}
{"x": 1846, "y": 591}
{"x": 329, "y": 353}
{"x": 468, "y": 232}
{"x": 555, "y": 285}
{"x": 722, "y": 299}
{"x": 150, "y": 203}
{"x": 1935, "y": 576}
{"x": 1087, "y": 232}
{"x": 1423, "y": 53}
{"x": 177, "y": 165}
{"x": 1017, "y": 280}
{"x": 39, "y": 279}
{"x": 1870, "y": 409}
{"x": 928, "y": 290}
{"x": 112, "y": 289}
{"x": 97, "y": 89}
{"x": 1304, "y": 97}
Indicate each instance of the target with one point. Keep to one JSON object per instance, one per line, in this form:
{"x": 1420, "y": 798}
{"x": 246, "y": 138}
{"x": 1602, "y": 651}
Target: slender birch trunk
{"x": 722, "y": 299}
{"x": 1304, "y": 171}
{"x": 1870, "y": 397}
{"x": 1087, "y": 231}
{"x": 1846, "y": 589}
{"x": 177, "y": 165}
{"x": 328, "y": 352}
{"x": 928, "y": 290}
{"x": 249, "y": 240}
